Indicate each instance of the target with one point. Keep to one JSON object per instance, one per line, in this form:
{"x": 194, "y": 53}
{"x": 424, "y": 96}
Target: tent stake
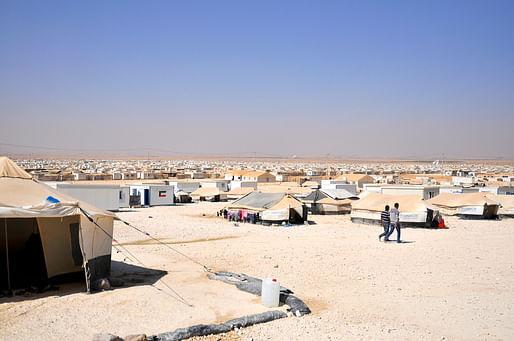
{"x": 7, "y": 256}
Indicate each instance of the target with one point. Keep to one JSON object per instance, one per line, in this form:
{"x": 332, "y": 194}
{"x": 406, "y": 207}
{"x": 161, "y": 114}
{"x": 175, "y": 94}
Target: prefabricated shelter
{"x": 339, "y": 184}
{"x": 235, "y": 174}
{"x": 372, "y": 188}
{"x": 208, "y": 194}
{"x": 358, "y": 179}
{"x": 329, "y": 201}
{"x": 221, "y": 184}
{"x": 45, "y": 233}
{"x": 470, "y": 189}
{"x": 240, "y": 184}
{"x": 124, "y": 196}
{"x": 258, "y": 176}
{"x": 153, "y": 194}
{"x": 450, "y": 189}
{"x": 184, "y": 186}
{"x": 272, "y": 207}
{"x": 425, "y": 192}
{"x": 506, "y": 190}
{"x": 472, "y": 205}
{"x": 490, "y": 189}
{"x": 414, "y": 211}
{"x": 104, "y": 196}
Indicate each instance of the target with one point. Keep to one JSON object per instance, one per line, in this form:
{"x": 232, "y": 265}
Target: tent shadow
{"x": 123, "y": 275}
{"x": 129, "y": 275}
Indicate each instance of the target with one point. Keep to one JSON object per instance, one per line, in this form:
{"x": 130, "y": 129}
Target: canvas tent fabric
{"x": 257, "y": 201}
{"x": 339, "y": 194}
{"x": 463, "y": 199}
{"x": 506, "y": 205}
{"x": 10, "y": 169}
{"x": 414, "y": 211}
{"x": 334, "y": 201}
{"x": 468, "y": 204}
{"x": 335, "y": 194}
{"x": 315, "y": 196}
{"x": 208, "y": 193}
{"x": 273, "y": 206}
{"x": 68, "y": 229}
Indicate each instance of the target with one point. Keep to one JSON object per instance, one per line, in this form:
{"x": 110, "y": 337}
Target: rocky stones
{"x": 136, "y": 337}
{"x": 106, "y": 337}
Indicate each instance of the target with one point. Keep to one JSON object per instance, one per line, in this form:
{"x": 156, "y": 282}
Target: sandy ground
{"x": 455, "y": 284}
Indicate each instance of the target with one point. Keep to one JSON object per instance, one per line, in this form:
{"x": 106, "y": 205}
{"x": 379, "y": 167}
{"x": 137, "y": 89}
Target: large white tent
{"x": 45, "y": 233}
{"x": 479, "y": 204}
{"x": 414, "y": 211}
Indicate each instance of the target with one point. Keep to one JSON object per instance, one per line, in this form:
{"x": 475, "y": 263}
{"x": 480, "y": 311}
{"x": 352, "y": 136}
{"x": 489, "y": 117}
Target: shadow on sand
{"x": 123, "y": 275}
{"x": 392, "y": 241}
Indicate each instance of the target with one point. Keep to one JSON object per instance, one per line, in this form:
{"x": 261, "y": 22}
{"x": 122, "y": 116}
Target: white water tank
{"x": 270, "y": 292}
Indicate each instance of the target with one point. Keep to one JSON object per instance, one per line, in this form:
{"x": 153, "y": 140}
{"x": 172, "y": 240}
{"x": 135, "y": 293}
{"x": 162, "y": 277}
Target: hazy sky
{"x": 345, "y": 78}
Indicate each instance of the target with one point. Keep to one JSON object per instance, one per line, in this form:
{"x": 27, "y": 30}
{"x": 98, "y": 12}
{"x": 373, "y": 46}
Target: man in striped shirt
{"x": 385, "y": 221}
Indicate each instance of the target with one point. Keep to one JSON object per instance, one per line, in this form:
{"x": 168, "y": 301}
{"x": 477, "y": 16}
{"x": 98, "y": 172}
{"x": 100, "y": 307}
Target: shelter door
{"x": 147, "y": 197}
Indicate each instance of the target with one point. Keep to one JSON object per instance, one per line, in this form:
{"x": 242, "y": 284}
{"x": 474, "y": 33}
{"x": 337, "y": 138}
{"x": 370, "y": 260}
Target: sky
{"x": 350, "y": 79}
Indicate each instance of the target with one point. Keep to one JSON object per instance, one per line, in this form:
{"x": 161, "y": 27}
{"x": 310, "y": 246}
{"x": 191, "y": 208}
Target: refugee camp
{"x": 256, "y": 170}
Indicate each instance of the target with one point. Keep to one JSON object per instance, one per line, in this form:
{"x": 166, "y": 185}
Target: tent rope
{"x": 178, "y": 296}
{"x": 206, "y": 269}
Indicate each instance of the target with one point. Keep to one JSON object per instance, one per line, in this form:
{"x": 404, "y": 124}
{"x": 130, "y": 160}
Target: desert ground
{"x": 448, "y": 284}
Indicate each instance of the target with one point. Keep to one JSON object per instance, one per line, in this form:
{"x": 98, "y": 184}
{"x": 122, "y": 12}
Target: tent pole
{"x": 7, "y": 255}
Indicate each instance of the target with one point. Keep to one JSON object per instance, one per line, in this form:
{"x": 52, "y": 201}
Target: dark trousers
{"x": 386, "y": 229}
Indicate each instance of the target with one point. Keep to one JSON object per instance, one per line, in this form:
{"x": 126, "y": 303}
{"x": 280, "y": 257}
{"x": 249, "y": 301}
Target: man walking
{"x": 395, "y": 223}
{"x": 385, "y": 221}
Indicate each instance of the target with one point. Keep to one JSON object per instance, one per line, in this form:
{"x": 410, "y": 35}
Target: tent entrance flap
{"x": 22, "y": 248}
{"x": 60, "y": 238}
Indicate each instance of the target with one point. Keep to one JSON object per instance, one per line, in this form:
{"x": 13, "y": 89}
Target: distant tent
{"x": 296, "y": 191}
{"x": 414, "y": 211}
{"x": 478, "y": 204}
{"x": 272, "y": 207}
{"x": 238, "y": 192}
{"x": 332, "y": 201}
{"x": 208, "y": 194}
{"x": 182, "y": 197}
{"x": 45, "y": 233}
{"x": 311, "y": 184}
